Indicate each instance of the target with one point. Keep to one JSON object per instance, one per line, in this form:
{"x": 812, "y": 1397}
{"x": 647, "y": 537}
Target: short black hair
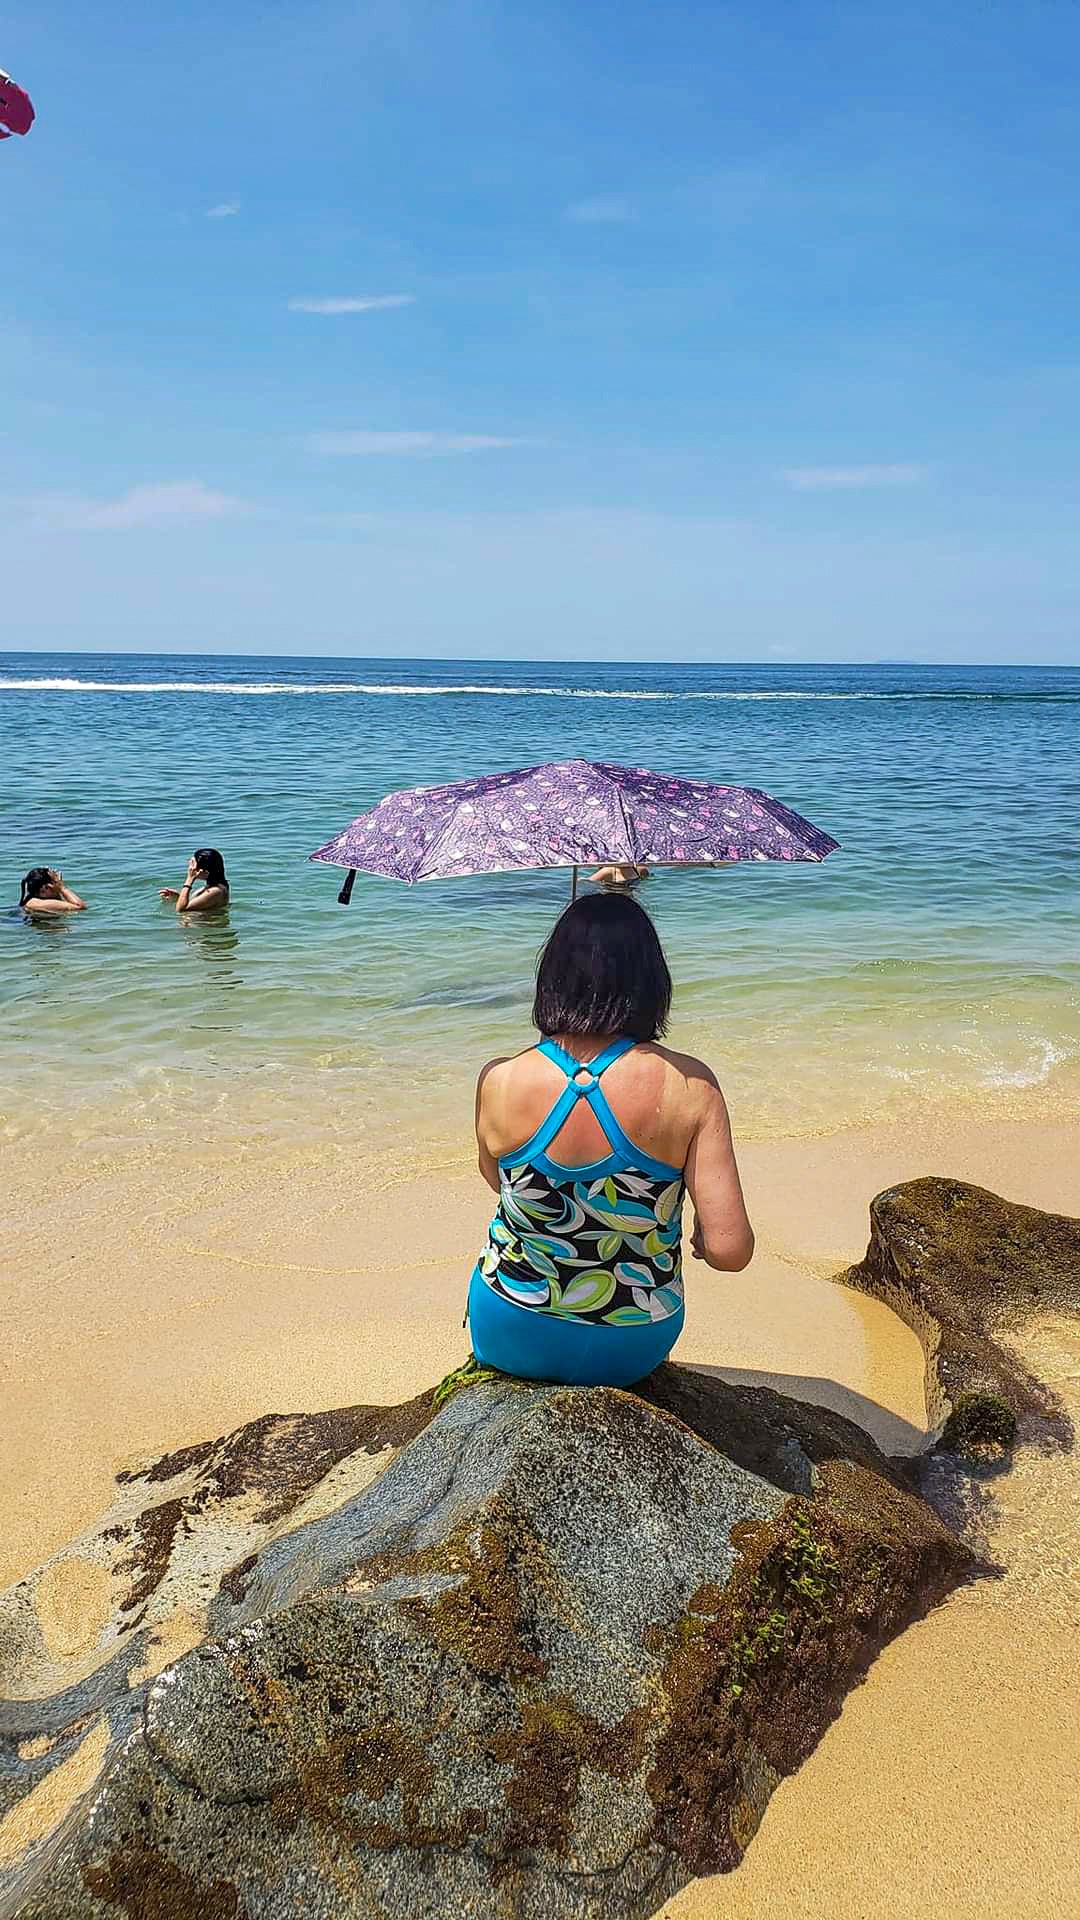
{"x": 603, "y": 972}
{"x": 31, "y": 886}
{"x": 209, "y": 862}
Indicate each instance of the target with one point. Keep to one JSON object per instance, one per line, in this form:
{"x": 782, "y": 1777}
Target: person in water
{"x": 207, "y": 865}
{"x": 43, "y": 891}
{"x": 591, "y": 1140}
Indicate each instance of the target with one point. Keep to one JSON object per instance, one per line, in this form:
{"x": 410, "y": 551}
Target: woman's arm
{"x": 488, "y": 1162}
{"x": 68, "y": 902}
{"x": 723, "y": 1236}
{"x": 188, "y": 902}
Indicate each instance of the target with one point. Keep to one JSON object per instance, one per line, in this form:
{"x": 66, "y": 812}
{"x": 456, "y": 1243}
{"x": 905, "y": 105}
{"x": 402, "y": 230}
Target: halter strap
{"x": 571, "y": 1067}
{"x": 576, "y": 1090}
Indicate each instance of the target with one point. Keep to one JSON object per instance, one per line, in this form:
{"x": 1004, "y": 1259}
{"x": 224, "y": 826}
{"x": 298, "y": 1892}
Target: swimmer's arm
{"x": 54, "y": 906}
{"x": 187, "y": 902}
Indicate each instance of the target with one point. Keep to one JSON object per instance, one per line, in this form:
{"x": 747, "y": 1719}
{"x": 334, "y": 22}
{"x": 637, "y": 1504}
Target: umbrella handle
{"x": 347, "y": 886}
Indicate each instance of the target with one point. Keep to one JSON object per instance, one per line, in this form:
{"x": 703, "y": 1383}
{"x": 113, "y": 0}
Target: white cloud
{"x": 851, "y": 479}
{"x": 157, "y": 504}
{"x": 224, "y": 210}
{"x": 361, "y": 303}
{"x": 603, "y": 210}
{"x": 422, "y": 444}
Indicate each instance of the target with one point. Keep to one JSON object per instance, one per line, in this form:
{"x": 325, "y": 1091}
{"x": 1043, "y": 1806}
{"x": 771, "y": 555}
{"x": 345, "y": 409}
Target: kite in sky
{"x": 16, "y": 111}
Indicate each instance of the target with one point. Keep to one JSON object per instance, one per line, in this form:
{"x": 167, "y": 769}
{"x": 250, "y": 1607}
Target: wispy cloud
{"x": 422, "y": 444}
{"x": 604, "y": 209}
{"x": 161, "y": 503}
{"x": 224, "y": 210}
{"x": 354, "y": 303}
{"x": 851, "y": 479}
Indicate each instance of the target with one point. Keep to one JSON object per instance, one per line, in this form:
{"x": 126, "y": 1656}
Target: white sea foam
{"x": 1047, "y": 1055}
{"x": 377, "y": 688}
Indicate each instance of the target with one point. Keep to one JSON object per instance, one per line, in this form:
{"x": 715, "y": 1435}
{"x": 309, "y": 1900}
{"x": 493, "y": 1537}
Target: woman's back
{"x": 590, "y": 1140}
{"x": 655, "y": 1094}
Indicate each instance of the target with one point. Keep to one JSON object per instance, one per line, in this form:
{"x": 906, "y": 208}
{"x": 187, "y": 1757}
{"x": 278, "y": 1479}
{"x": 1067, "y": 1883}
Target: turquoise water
{"x": 936, "y": 956}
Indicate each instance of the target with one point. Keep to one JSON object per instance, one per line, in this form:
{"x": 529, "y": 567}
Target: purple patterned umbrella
{"x": 566, "y": 814}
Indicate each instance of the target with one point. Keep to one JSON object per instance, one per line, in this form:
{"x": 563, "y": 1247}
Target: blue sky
{"x": 703, "y": 332}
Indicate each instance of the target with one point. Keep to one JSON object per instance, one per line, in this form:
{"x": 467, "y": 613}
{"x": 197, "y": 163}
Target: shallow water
{"x": 936, "y": 956}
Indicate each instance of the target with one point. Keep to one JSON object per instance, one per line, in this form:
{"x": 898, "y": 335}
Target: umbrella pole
{"x": 573, "y": 887}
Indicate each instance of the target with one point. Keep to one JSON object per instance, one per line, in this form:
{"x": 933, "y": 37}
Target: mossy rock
{"x": 548, "y": 1662}
{"x": 968, "y": 1271}
{"x": 981, "y": 1425}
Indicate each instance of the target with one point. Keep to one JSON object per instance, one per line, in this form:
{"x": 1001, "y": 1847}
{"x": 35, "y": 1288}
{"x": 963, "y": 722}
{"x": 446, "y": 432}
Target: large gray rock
{"x": 549, "y": 1662}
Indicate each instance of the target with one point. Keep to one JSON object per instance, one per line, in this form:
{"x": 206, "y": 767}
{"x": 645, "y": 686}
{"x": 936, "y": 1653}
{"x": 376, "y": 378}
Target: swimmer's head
{"x": 40, "y": 883}
{"x": 211, "y": 866}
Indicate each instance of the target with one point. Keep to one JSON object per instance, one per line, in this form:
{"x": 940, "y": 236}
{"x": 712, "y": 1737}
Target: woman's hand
{"x": 192, "y": 870}
{"x": 170, "y": 893}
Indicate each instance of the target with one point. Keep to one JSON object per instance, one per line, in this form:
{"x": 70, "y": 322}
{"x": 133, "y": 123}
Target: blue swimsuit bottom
{"x": 538, "y": 1347}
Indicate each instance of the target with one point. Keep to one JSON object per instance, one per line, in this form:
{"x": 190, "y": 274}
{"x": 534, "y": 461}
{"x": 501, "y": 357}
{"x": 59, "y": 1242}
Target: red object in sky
{"x": 16, "y": 111}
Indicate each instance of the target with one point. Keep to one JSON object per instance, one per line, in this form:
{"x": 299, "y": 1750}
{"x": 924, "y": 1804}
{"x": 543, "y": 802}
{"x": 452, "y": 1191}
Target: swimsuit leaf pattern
{"x": 603, "y": 1250}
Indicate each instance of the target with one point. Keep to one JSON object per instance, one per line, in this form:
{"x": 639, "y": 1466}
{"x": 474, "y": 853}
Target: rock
{"x": 965, "y": 1269}
{"x": 545, "y": 1655}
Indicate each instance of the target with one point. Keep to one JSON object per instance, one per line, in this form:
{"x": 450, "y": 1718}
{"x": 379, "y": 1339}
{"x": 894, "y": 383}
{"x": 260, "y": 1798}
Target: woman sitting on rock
{"x": 590, "y": 1141}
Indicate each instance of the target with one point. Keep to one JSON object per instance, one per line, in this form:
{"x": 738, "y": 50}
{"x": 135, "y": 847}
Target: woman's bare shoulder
{"x": 500, "y": 1071}
{"x": 696, "y": 1075}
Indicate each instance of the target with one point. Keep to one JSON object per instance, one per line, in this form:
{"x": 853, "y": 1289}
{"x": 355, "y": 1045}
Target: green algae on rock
{"x": 965, "y": 1268}
{"x": 545, "y": 1657}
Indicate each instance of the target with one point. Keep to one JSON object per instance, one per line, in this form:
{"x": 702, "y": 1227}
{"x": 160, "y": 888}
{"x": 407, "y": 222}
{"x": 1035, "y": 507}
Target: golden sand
{"x": 43, "y": 1808}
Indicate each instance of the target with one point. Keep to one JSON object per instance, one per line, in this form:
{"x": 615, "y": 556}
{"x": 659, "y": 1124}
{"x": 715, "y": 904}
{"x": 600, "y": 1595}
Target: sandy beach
{"x": 306, "y": 1280}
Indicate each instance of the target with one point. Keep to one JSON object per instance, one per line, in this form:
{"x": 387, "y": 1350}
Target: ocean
{"x": 935, "y": 958}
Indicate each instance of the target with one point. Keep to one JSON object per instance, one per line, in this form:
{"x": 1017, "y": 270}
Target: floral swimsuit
{"x": 598, "y": 1243}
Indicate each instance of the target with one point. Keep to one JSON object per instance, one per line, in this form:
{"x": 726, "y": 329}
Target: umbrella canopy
{"x": 566, "y": 814}
{"x": 16, "y": 112}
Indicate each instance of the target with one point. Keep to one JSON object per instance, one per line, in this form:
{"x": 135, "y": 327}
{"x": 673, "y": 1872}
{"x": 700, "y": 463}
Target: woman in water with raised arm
{"x": 591, "y": 1140}
{"x": 207, "y": 865}
{"x": 43, "y": 891}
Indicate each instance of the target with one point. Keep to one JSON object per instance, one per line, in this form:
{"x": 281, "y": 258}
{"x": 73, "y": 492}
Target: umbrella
{"x": 566, "y": 814}
{"x": 16, "y": 112}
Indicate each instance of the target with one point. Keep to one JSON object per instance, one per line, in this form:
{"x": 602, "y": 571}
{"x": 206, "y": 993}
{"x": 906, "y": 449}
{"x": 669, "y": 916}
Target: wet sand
{"x": 172, "y": 1295}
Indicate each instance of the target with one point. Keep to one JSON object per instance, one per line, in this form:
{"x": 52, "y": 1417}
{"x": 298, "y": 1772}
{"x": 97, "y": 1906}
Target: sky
{"x": 478, "y": 330}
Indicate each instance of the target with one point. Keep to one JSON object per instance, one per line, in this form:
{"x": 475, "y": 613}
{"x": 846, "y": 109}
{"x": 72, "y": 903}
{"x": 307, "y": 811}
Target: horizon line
{"x": 534, "y": 660}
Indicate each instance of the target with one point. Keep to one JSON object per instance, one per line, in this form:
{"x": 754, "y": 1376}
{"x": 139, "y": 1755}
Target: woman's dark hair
{"x": 32, "y": 884}
{"x": 603, "y": 971}
{"x": 211, "y": 865}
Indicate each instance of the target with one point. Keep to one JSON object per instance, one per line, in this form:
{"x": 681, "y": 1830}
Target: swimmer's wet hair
{"x": 32, "y": 884}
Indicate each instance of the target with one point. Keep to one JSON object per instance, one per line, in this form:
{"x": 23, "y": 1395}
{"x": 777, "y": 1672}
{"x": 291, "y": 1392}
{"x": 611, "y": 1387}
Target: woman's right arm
{"x": 723, "y": 1236}
{"x": 488, "y": 1161}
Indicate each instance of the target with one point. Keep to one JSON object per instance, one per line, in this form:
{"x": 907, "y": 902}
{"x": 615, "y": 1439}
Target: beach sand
{"x": 162, "y": 1296}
